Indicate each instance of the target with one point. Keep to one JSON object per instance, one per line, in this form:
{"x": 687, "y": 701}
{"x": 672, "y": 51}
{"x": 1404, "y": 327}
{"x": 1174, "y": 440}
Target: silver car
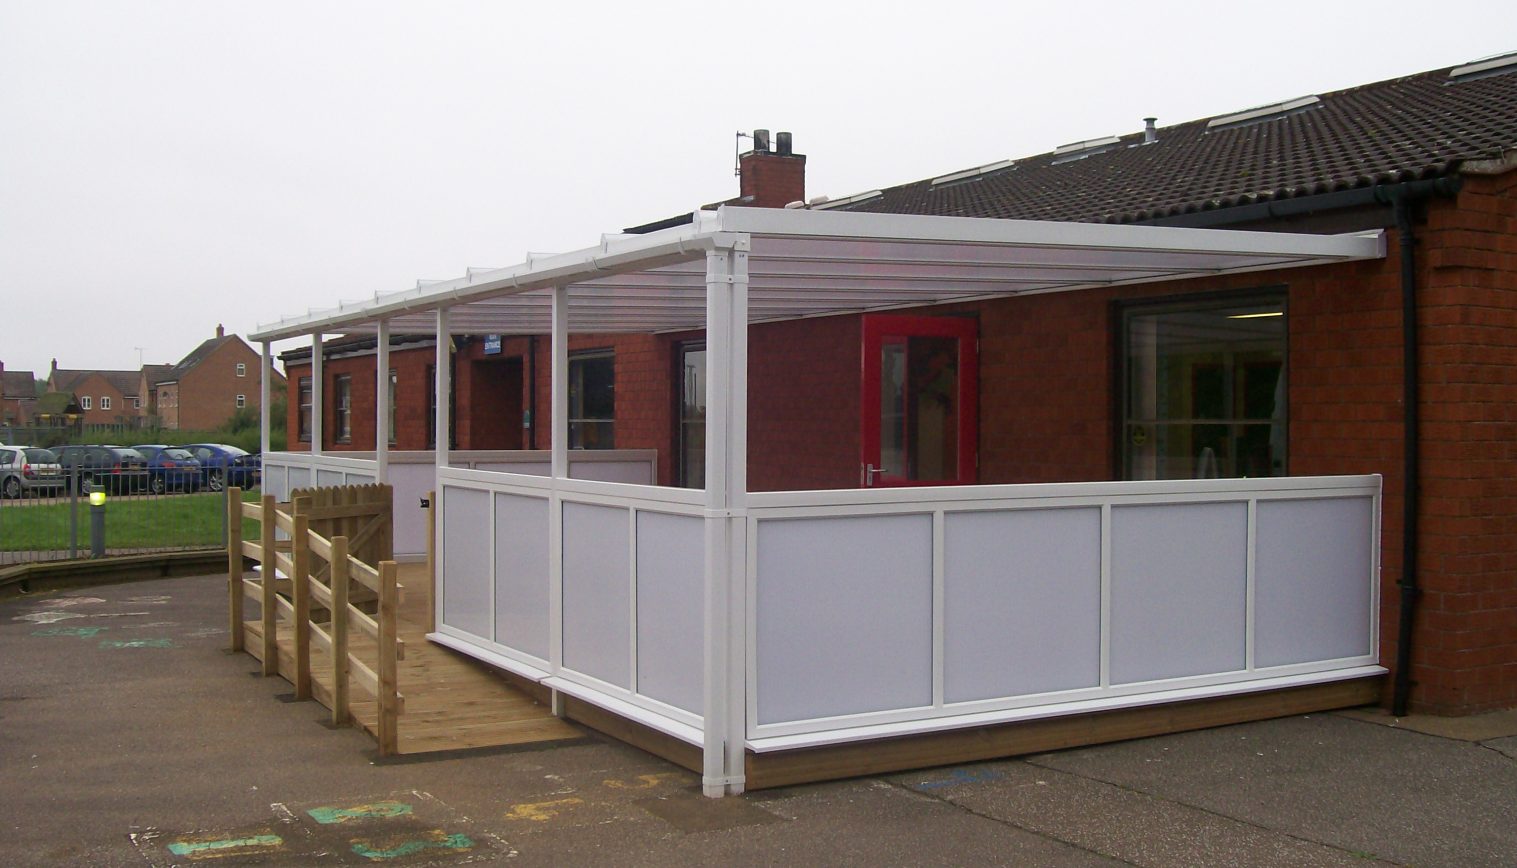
{"x": 29, "y": 470}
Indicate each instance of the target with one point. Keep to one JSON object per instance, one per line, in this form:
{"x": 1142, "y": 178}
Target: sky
{"x": 166, "y": 167}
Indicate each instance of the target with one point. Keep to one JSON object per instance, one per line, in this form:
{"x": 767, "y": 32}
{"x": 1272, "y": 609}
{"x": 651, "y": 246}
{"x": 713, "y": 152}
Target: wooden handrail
{"x": 308, "y": 568}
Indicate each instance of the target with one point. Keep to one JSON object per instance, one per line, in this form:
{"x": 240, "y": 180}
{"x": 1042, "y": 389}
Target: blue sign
{"x": 492, "y": 345}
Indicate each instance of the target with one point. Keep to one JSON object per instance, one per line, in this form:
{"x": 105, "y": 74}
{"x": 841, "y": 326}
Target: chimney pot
{"x": 1150, "y": 132}
{"x": 782, "y": 144}
{"x": 761, "y": 141}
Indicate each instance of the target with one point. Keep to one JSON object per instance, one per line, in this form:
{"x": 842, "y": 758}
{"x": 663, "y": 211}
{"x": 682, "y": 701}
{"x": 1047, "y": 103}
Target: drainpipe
{"x": 1406, "y": 199}
{"x": 531, "y": 391}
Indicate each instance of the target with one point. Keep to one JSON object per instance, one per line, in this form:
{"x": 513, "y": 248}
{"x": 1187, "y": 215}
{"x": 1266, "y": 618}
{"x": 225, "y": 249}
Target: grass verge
{"x": 163, "y": 522}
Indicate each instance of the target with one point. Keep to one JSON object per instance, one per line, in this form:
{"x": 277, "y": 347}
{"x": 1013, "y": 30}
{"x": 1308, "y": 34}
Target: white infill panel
{"x": 670, "y": 660}
{"x": 411, "y": 482}
{"x": 327, "y": 478}
{"x": 300, "y": 477}
{"x": 631, "y": 472}
{"x": 521, "y": 574}
{"x": 466, "y": 558}
{"x": 1022, "y": 602}
{"x": 597, "y": 627}
{"x": 844, "y": 616}
{"x": 1178, "y": 590}
{"x": 1312, "y": 583}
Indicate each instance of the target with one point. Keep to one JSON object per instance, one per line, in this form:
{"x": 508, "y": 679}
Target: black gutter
{"x": 1404, "y": 199}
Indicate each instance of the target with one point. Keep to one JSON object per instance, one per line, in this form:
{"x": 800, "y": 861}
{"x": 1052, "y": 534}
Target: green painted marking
{"x": 82, "y": 632}
{"x": 137, "y": 643}
{"x": 449, "y": 842}
{"x": 376, "y": 810}
{"x": 197, "y": 848}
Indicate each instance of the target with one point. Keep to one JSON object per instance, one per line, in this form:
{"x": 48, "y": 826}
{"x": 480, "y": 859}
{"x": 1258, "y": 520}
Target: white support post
{"x": 558, "y": 381}
{"x": 443, "y": 382}
{"x": 265, "y": 374}
{"x": 382, "y": 404}
{"x": 318, "y": 403}
{"x": 725, "y": 707}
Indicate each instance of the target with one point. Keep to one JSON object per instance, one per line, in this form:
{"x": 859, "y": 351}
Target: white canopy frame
{"x": 735, "y": 267}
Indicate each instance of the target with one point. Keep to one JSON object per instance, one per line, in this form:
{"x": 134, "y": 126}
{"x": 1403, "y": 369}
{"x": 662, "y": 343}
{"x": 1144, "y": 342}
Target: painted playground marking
{"x": 436, "y": 840}
{"x": 642, "y": 782}
{"x": 372, "y": 811}
{"x": 65, "y": 602}
{"x": 541, "y": 812}
{"x": 53, "y": 617}
{"x": 224, "y": 847}
{"x": 959, "y": 777}
{"x": 137, "y": 643}
{"x": 81, "y": 632}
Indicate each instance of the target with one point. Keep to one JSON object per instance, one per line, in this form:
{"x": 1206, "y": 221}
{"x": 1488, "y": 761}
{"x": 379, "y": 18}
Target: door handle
{"x": 870, "y": 473}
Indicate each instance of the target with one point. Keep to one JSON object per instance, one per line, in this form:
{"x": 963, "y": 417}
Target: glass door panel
{"x": 919, "y": 401}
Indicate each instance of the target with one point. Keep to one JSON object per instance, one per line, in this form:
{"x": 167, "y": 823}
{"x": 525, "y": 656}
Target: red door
{"x": 919, "y": 401}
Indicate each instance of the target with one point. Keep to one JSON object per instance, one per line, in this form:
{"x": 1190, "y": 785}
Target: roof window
{"x": 1496, "y": 64}
{"x": 1087, "y": 148}
{"x": 971, "y": 174}
{"x": 846, "y": 200}
{"x": 1263, "y": 113}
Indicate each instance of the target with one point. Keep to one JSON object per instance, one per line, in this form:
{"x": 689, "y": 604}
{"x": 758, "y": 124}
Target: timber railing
{"x": 314, "y": 591}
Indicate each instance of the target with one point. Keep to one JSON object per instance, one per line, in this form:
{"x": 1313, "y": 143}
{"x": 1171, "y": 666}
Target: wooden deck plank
{"x": 452, "y": 702}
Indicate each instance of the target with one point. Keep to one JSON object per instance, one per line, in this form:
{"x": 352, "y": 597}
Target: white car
{"x": 29, "y": 470}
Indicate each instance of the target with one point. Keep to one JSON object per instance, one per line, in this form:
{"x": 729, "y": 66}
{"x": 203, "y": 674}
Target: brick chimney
{"x": 220, "y": 331}
{"x": 773, "y": 178}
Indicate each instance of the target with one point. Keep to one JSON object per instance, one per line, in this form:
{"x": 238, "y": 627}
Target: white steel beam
{"x": 265, "y": 374}
{"x": 318, "y": 401}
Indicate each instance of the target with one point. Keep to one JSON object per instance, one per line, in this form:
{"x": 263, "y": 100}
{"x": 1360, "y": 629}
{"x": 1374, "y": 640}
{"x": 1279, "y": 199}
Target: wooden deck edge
{"x": 642, "y": 737}
{"x": 542, "y": 695}
{"x": 785, "y": 768}
{"x": 19, "y": 579}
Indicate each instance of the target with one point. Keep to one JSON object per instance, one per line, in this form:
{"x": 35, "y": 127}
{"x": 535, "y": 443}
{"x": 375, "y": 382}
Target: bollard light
{"x": 97, "y": 498}
{"x": 97, "y": 523}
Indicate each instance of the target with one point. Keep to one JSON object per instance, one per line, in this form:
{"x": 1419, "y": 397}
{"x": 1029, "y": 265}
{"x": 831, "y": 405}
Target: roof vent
{"x": 972, "y": 174}
{"x": 1263, "y": 112}
{"x": 846, "y": 200}
{"x": 1150, "y": 130}
{"x": 1496, "y": 64}
{"x": 1087, "y": 148}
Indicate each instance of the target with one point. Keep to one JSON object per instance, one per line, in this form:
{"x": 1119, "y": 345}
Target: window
{"x": 691, "y": 448}
{"x": 393, "y": 380}
{"x": 592, "y": 400}
{"x": 242, "y": 369}
{"x": 305, "y": 409}
{"x": 242, "y": 401}
{"x": 105, "y": 402}
{"x": 342, "y": 404}
{"x": 1204, "y": 388}
{"x": 84, "y": 403}
{"x": 136, "y": 403}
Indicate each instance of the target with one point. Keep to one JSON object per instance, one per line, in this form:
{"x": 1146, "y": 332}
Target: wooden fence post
{"x": 338, "y": 577}
{"x": 389, "y": 688}
{"x": 300, "y": 559}
{"x": 234, "y": 562}
{"x": 270, "y": 615}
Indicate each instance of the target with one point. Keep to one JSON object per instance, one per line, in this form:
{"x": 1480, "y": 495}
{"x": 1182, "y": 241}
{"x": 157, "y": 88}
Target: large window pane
{"x": 592, "y": 401}
{"x": 692, "y": 416}
{"x": 1204, "y": 389}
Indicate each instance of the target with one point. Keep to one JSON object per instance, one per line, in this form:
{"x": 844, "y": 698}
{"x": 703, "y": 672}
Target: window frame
{"x": 242, "y": 401}
{"x": 242, "y": 369}
{"x": 1123, "y": 310}
{"x": 105, "y": 402}
{"x": 304, "y": 398}
{"x": 576, "y": 422}
{"x": 342, "y": 408}
{"x": 681, "y": 424}
{"x": 86, "y": 402}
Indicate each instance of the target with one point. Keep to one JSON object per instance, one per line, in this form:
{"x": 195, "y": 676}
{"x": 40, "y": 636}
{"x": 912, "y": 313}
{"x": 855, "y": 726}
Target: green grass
{"x": 162, "y": 522}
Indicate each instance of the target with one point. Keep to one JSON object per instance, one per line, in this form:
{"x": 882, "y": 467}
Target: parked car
{"x": 115, "y": 468}
{"x": 29, "y": 470}
{"x": 171, "y": 468}
{"x": 222, "y": 465}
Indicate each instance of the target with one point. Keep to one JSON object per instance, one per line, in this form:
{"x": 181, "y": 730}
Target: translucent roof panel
{"x": 808, "y": 263}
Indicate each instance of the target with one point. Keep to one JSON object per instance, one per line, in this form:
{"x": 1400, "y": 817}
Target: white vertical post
{"x": 318, "y": 403}
{"x": 558, "y": 382}
{"x": 382, "y": 404}
{"x": 443, "y": 382}
{"x": 725, "y": 703}
{"x": 265, "y": 374}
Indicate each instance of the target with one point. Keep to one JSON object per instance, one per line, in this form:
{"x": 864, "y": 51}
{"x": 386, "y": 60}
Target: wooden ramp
{"x": 451, "y": 702}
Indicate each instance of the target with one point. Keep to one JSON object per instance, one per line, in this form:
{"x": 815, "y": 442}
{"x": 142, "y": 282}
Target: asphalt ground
{"x": 129, "y": 736}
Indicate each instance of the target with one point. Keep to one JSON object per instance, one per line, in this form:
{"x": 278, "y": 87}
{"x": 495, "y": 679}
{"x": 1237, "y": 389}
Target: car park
{"x": 171, "y": 468}
{"x": 116, "y": 469}
{"x": 222, "y": 465}
{"x": 29, "y": 470}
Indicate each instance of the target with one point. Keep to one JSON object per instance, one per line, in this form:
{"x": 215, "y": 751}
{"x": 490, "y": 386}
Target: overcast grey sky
{"x": 167, "y": 166}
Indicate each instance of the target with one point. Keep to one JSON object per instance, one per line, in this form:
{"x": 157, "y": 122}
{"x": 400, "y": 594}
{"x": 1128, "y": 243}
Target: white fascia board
{"x": 1042, "y": 233}
{"x": 614, "y": 254}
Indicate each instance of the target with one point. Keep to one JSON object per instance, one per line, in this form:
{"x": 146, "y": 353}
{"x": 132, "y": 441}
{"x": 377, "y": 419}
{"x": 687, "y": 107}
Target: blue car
{"x": 222, "y": 465}
{"x": 171, "y": 468}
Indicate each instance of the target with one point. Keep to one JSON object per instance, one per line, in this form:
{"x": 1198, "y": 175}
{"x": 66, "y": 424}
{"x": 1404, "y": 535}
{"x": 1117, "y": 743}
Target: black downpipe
{"x": 531, "y": 391}
{"x": 1405, "y": 206}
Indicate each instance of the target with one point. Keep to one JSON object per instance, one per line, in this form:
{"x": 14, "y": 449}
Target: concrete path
{"x": 128, "y": 737}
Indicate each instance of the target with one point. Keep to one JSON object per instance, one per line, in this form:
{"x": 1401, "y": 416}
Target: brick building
{"x": 1404, "y": 366}
{"x": 215, "y": 380}
{"x": 103, "y": 397}
{"x": 18, "y": 396}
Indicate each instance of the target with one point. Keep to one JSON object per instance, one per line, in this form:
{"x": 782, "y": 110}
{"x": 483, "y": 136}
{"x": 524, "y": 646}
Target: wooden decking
{"x": 451, "y": 702}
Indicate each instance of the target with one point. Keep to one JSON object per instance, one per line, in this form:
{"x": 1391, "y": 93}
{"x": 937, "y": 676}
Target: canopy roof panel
{"x": 811, "y": 263}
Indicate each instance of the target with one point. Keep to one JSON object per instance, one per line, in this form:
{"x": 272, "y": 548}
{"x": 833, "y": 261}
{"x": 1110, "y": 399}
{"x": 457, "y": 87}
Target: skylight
{"x": 1493, "y": 65}
{"x": 847, "y": 200}
{"x": 1087, "y": 148}
{"x": 970, "y": 174}
{"x": 1263, "y": 112}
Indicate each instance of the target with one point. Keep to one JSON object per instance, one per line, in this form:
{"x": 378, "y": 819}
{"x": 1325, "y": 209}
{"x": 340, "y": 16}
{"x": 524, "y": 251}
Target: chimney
{"x": 220, "y": 331}
{"x": 771, "y": 179}
{"x": 1150, "y": 132}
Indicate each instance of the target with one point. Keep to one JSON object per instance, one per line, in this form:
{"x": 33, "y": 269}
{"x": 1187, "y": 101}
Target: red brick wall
{"x": 411, "y": 410}
{"x": 803, "y": 404}
{"x": 772, "y": 180}
{"x": 207, "y": 393}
